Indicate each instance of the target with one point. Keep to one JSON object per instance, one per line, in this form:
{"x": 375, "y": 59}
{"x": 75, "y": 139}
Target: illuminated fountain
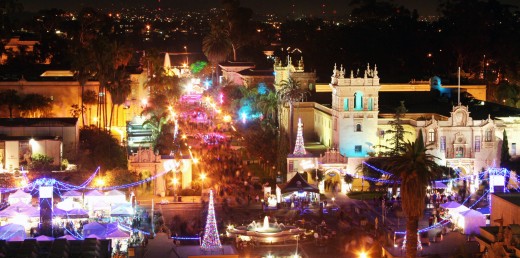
{"x": 264, "y": 232}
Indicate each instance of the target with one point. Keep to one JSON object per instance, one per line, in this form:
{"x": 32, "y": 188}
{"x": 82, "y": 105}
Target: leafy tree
{"x": 268, "y": 105}
{"x": 10, "y": 99}
{"x": 156, "y": 124}
{"x": 505, "y": 157}
{"x": 41, "y": 163}
{"x": 349, "y": 179}
{"x": 397, "y": 132}
{"x": 367, "y": 171}
{"x": 508, "y": 94}
{"x": 118, "y": 176}
{"x": 415, "y": 170}
{"x": 35, "y": 105}
{"x": 100, "y": 148}
{"x": 259, "y": 142}
{"x": 76, "y": 111}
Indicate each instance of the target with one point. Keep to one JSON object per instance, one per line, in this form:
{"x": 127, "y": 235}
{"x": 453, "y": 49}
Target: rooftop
{"x": 38, "y": 122}
{"x": 513, "y": 198}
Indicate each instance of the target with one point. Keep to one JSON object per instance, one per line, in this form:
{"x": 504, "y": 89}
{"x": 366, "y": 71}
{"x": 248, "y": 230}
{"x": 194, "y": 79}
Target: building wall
{"x": 69, "y": 135}
{"x": 505, "y": 210}
{"x": 458, "y": 141}
{"x": 64, "y": 94}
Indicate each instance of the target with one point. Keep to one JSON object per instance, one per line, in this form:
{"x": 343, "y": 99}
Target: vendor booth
{"x": 115, "y": 196}
{"x": 94, "y": 228}
{"x": 11, "y": 231}
{"x": 470, "y": 221}
{"x": 19, "y": 196}
{"x": 297, "y": 192}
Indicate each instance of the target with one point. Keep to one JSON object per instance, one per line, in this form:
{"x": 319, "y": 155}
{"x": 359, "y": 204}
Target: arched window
{"x": 345, "y": 104}
{"x": 370, "y": 104}
{"x": 358, "y": 101}
{"x": 358, "y": 127}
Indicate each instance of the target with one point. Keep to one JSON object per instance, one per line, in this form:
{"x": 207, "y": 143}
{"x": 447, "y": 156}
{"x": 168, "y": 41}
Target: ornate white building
{"x": 466, "y": 137}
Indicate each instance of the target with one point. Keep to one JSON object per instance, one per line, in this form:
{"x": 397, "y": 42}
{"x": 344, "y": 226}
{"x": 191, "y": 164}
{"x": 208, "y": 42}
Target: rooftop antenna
{"x": 458, "y": 88}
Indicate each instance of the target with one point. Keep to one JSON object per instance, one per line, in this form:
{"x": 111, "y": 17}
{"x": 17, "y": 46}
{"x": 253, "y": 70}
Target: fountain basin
{"x": 265, "y": 233}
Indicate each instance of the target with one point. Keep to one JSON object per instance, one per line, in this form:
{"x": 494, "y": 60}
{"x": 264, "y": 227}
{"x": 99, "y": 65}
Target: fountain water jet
{"x": 266, "y": 223}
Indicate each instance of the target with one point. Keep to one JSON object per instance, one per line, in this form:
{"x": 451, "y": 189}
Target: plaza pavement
{"x": 451, "y": 243}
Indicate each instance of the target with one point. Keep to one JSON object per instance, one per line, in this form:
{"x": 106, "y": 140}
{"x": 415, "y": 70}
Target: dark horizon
{"x": 308, "y": 7}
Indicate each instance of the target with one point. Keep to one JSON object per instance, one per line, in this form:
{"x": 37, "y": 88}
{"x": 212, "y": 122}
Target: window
{"x": 370, "y": 104}
{"x": 357, "y": 148}
{"x": 431, "y": 135}
{"x": 443, "y": 143}
{"x": 477, "y": 143}
{"x": 358, "y": 101}
{"x": 513, "y": 149}
{"x": 345, "y": 104}
{"x": 489, "y": 135}
{"x": 459, "y": 152}
{"x": 358, "y": 127}
{"x": 382, "y": 133}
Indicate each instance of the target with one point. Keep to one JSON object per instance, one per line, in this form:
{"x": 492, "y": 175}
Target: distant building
{"x": 15, "y": 45}
{"x": 65, "y": 91}
{"x": 465, "y": 136}
{"x": 147, "y": 164}
{"x": 21, "y": 138}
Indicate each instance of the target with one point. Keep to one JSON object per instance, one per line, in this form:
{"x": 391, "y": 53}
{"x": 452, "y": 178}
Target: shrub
{"x": 41, "y": 163}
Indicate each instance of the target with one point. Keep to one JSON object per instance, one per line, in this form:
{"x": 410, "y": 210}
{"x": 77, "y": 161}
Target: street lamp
{"x": 363, "y": 255}
{"x": 100, "y": 182}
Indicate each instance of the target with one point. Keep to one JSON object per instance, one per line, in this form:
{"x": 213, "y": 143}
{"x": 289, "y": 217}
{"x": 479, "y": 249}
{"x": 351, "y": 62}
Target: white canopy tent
{"x": 10, "y": 231}
{"x": 69, "y": 204}
{"x": 115, "y": 196}
{"x": 122, "y": 210}
{"x": 450, "y": 205}
{"x": 471, "y": 221}
{"x": 18, "y": 210}
{"x": 19, "y": 196}
{"x": 94, "y": 228}
{"x": 439, "y": 185}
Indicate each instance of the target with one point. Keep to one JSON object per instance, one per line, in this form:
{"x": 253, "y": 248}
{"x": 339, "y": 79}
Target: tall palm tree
{"x": 415, "y": 169}
{"x": 119, "y": 89}
{"x": 89, "y": 98}
{"x": 83, "y": 68}
{"x": 217, "y": 46}
{"x": 268, "y": 105}
{"x": 289, "y": 93}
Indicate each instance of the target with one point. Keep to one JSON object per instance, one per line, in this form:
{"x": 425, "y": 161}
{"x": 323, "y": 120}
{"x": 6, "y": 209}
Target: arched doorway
{"x": 465, "y": 185}
{"x": 332, "y": 181}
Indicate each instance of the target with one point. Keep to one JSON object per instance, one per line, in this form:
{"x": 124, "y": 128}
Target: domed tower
{"x": 355, "y": 111}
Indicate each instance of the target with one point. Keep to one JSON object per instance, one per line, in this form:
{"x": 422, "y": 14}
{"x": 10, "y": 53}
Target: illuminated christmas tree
{"x": 211, "y": 239}
{"x": 299, "y": 150}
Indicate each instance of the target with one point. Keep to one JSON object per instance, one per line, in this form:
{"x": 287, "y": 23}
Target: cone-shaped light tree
{"x": 211, "y": 239}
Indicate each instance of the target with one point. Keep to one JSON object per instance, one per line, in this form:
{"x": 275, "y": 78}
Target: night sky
{"x": 314, "y": 7}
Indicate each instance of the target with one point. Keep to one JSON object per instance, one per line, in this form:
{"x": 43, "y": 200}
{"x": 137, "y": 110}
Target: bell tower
{"x": 355, "y": 111}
